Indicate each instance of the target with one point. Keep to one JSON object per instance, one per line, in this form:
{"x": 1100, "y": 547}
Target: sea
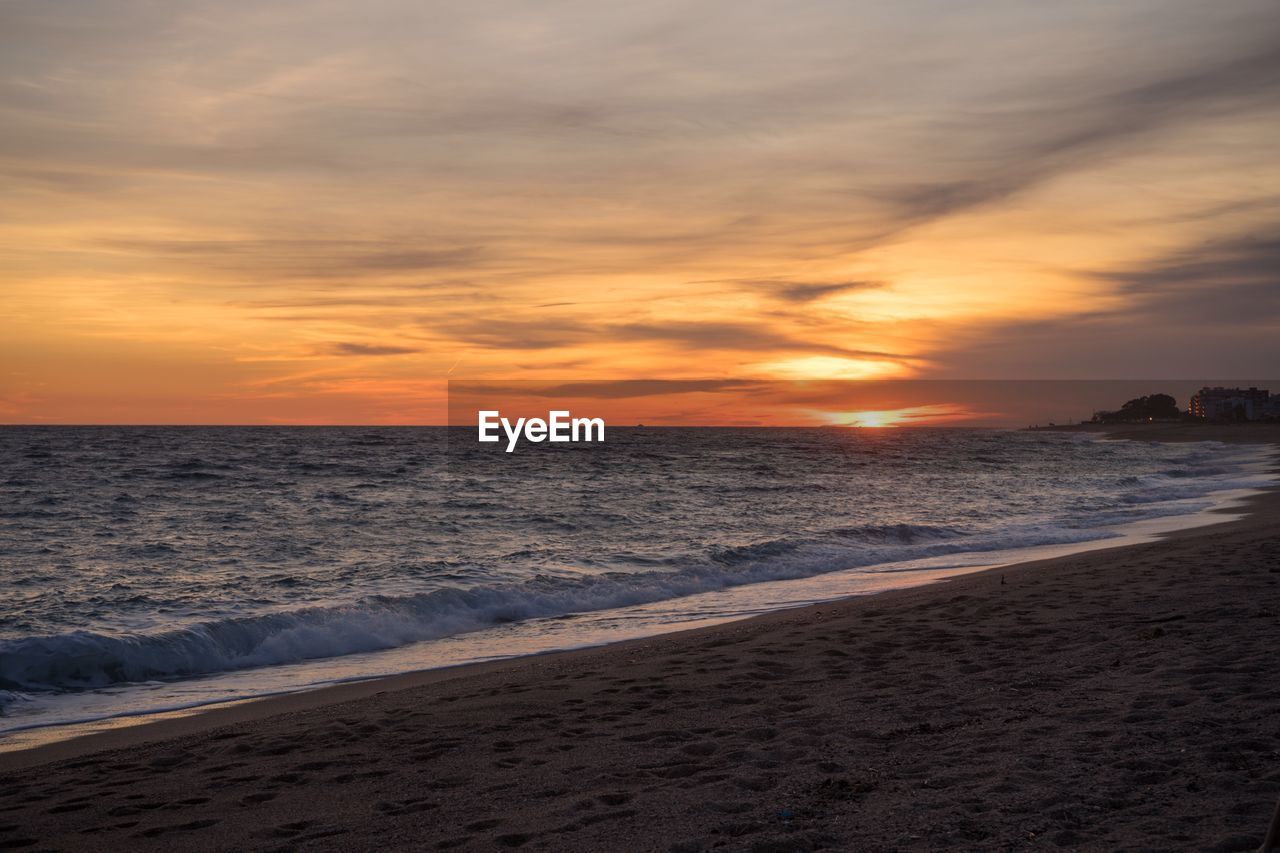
{"x": 152, "y": 571}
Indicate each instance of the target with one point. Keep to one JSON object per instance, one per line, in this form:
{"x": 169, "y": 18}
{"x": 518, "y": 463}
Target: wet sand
{"x": 1123, "y": 699}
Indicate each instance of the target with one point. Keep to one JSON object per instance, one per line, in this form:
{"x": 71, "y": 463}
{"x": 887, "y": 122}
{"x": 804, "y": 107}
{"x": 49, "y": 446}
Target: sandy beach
{"x": 1121, "y": 699}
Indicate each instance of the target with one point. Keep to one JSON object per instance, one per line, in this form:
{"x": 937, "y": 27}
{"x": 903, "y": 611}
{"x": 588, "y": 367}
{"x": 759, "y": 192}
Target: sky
{"x": 320, "y": 212}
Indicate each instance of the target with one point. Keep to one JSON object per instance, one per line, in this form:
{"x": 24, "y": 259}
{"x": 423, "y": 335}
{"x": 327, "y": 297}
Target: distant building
{"x": 1234, "y": 404}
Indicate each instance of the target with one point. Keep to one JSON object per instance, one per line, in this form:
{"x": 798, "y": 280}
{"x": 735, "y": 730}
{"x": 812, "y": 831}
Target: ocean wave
{"x": 1160, "y": 488}
{"x": 679, "y": 535}
{"x": 904, "y": 533}
{"x": 84, "y": 659}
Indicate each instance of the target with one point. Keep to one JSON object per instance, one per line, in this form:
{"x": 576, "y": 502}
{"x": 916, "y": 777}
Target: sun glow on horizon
{"x": 930, "y": 415}
{"x": 877, "y": 420}
{"x": 823, "y": 367}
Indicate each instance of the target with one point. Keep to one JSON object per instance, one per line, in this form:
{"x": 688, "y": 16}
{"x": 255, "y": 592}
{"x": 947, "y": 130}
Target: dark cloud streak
{"x": 800, "y": 292}
{"x": 537, "y": 333}
{"x": 348, "y": 348}
{"x": 1097, "y": 126}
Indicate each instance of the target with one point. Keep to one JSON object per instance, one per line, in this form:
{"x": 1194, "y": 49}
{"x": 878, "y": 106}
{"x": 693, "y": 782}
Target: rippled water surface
{"x": 153, "y": 555}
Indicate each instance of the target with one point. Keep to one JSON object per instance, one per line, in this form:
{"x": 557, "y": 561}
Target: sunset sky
{"x": 286, "y": 212}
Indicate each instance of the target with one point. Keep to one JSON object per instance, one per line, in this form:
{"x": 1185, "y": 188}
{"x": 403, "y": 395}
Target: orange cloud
{"x": 325, "y": 213}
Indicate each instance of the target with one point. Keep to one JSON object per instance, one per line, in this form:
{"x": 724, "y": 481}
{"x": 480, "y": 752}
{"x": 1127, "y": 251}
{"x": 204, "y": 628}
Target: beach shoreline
{"x": 790, "y": 765}
{"x": 42, "y": 741}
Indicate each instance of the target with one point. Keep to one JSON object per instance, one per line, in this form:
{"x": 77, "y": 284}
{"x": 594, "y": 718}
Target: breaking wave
{"x": 83, "y": 659}
{"x": 280, "y": 547}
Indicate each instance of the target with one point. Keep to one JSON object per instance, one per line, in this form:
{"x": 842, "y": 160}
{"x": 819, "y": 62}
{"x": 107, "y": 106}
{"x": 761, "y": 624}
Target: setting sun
{"x": 876, "y": 419}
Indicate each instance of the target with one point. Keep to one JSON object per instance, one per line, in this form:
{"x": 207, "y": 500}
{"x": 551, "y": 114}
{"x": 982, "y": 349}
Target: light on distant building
{"x": 1229, "y": 404}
